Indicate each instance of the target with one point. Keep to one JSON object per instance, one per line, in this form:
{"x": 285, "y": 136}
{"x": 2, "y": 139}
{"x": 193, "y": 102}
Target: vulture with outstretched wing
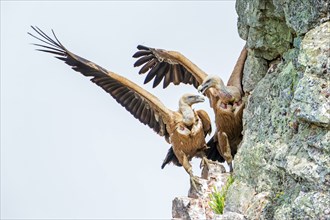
{"x": 184, "y": 129}
{"x": 226, "y": 101}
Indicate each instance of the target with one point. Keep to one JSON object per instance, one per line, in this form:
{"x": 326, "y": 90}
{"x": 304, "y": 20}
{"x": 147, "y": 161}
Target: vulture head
{"x": 225, "y": 93}
{"x": 190, "y": 99}
{"x": 211, "y": 81}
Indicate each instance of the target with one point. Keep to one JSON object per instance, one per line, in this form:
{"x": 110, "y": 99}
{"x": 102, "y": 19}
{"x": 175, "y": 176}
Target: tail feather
{"x": 212, "y": 152}
{"x": 170, "y": 158}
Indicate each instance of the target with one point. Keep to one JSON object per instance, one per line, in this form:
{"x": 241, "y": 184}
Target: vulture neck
{"x": 187, "y": 113}
{"x": 220, "y": 86}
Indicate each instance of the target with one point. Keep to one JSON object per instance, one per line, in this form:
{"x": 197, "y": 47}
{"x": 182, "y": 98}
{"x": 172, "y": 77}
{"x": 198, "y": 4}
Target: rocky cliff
{"x": 282, "y": 168}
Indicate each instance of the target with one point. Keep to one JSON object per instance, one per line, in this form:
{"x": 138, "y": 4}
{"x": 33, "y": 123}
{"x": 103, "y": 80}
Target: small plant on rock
{"x": 218, "y": 198}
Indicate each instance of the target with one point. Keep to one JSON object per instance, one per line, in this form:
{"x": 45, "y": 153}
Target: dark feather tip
{"x": 141, "y": 47}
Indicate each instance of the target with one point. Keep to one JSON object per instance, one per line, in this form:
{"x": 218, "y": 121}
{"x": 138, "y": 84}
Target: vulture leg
{"x": 194, "y": 181}
{"x": 205, "y": 162}
{"x": 224, "y": 149}
{"x": 183, "y": 159}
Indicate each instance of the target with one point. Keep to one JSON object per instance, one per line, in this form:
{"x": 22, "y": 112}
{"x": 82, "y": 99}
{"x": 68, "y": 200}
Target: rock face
{"x": 196, "y": 205}
{"x": 282, "y": 169}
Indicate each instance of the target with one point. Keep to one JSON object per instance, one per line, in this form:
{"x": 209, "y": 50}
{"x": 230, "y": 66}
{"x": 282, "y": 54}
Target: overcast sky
{"x": 68, "y": 150}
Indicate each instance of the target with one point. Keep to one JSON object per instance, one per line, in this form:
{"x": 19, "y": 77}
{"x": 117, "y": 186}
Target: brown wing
{"x": 205, "y": 120}
{"x": 140, "y": 103}
{"x": 169, "y": 66}
{"x": 235, "y": 78}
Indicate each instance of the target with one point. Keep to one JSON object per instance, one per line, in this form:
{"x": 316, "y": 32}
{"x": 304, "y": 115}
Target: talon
{"x": 193, "y": 181}
{"x": 205, "y": 162}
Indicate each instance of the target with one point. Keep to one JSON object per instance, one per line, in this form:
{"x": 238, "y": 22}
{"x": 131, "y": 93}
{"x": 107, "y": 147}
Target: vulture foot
{"x": 194, "y": 182}
{"x": 206, "y": 162}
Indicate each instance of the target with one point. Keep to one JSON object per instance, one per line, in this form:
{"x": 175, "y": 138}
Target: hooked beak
{"x": 199, "y": 98}
{"x": 202, "y": 88}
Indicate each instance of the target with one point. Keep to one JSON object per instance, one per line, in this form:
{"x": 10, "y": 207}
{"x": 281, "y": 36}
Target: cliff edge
{"x": 282, "y": 168}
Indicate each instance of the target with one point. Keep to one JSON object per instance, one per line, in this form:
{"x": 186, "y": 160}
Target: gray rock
{"x": 311, "y": 205}
{"x": 257, "y": 205}
{"x": 314, "y": 54}
{"x": 263, "y": 26}
{"x": 311, "y": 98}
{"x": 239, "y": 196}
{"x": 302, "y": 15}
{"x": 213, "y": 171}
{"x": 268, "y": 26}
{"x": 254, "y": 70}
{"x": 188, "y": 209}
{"x": 282, "y": 169}
{"x": 196, "y": 204}
{"x": 230, "y": 216}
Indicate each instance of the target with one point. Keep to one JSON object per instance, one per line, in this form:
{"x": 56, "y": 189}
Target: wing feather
{"x": 236, "y": 76}
{"x": 177, "y": 77}
{"x": 147, "y": 66}
{"x": 160, "y": 75}
{"x": 143, "y": 60}
{"x": 140, "y": 103}
{"x": 152, "y": 73}
{"x": 168, "y": 77}
{"x": 205, "y": 121}
{"x": 181, "y": 70}
{"x": 141, "y": 53}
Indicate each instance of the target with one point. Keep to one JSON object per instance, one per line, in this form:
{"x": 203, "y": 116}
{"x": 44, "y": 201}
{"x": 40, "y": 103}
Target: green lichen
{"x": 285, "y": 147}
{"x": 272, "y": 40}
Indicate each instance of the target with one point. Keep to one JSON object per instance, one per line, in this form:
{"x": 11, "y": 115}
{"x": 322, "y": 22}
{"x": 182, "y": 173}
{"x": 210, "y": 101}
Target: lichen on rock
{"x": 311, "y": 98}
{"x": 302, "y": 15}
{"x": 282, "y": 169}
{"x": 255, "y": 69}
{"x": 264, "y": 28}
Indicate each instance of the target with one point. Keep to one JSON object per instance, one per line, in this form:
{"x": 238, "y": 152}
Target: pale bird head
{"x": 211, "y": 81}
{"x": 191, "y": 99}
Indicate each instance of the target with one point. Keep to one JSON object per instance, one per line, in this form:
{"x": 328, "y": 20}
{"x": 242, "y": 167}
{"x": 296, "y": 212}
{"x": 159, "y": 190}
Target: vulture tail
{"x": 212, "y": 152}
{"x": 170, "y": 157}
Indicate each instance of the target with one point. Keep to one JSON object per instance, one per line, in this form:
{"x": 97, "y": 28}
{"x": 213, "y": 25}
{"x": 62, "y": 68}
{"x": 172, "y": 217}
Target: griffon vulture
{"x": 226, "y": 101}
{"x": 184, "y": 129}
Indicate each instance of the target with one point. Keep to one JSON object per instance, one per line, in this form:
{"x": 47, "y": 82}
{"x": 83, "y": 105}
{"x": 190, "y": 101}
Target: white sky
{"x": 68, "y": 150}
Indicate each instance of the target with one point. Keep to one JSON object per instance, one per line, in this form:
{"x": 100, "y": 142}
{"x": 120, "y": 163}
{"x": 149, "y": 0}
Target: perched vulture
{"x": 226, "y": 101}
{"x": 184, "y": 129}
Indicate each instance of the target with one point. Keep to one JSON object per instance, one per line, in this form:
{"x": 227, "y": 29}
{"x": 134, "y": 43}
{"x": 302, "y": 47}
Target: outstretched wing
{"x": 236, "y": 76}
{"x": 167, "y": 66}
{"x": 140, "y": 103}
